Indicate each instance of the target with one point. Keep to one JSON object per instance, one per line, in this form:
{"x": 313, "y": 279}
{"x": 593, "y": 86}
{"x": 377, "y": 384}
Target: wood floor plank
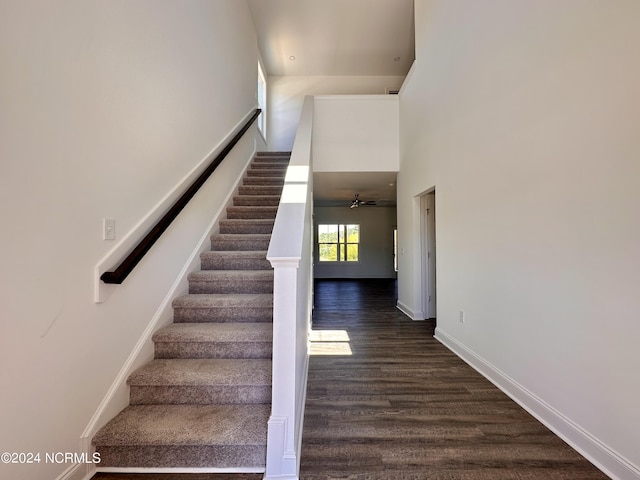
{"x": 386, "y": 401}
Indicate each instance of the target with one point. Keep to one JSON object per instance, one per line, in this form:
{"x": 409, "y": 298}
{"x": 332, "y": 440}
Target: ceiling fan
{"x": 357, "y": 202}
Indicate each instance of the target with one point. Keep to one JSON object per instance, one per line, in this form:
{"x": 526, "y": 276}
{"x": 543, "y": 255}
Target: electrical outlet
{"x": 108, "y": 229}
{"x": 461, "y": 316}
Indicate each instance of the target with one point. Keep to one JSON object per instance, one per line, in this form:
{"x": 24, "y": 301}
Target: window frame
{"x": 262, "y": 101}
{"x": 341, "y": 244}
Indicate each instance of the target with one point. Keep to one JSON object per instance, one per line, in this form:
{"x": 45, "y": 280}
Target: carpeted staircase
{"x": 205, "y": 400}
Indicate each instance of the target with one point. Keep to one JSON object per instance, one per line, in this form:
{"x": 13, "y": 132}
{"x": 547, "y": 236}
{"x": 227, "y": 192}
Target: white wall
{"x": 106, "y": 106}
{"x": 286, "y": 94}
{"x": 353, "y": 133}
{"x": 376, "y": 242}
{"x": 524, "y": 116}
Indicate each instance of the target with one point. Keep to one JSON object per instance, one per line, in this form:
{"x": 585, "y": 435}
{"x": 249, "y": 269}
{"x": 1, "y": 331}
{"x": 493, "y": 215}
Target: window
{"x": 262, "y": 101}
{"x": 395, "y": 249}
{"x": 338, "y": 243}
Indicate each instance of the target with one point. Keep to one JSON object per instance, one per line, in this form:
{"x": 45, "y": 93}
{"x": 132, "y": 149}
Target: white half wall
{"x": 524, "y": 117}
{"x": 106, "y": 107}
{"x": 356, "y": 133}
{"x": 286, "y": 94}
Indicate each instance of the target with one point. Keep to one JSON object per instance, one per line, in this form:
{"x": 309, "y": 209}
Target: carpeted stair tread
{"x": 214, "y": 332}
{"x": 268, "y": 162}
{"x": 187, "y": 425}
{"x": 235, "y": 260}
{"x": 244, "y": 307}
{"x": 260, "y": 190}
{"x": 279, "y": 181}
{"x": 240, "y": 241}
{"x": 267, "y": 158}
{"x": 278, "y": 153}
{"x": 214, "y": 340}
{"x": 246, "y": 226}
{"x": 256, "y": 200}
{"x": 252, "y": 212}
{"x": 224, "y": 300}
{"x": 208, "y": 371}
{"x": 212, "y": 274}
{"x": 269, "y": 166}
{"x": 231, "y": 281}
{"x": 201, "y": 381}
{"x": 196, "y": 436}
{"x": 271, "y": 158}
{"x": 266, "y": 172}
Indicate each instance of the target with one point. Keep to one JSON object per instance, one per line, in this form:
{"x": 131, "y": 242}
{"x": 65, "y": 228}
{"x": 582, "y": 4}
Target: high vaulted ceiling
{"x": 338, "y": 38}
{"x": 335, "y": 37}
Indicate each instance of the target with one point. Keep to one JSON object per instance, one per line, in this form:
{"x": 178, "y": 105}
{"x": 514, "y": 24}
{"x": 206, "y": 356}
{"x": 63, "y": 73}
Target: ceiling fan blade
{"x": 356, "y": 202}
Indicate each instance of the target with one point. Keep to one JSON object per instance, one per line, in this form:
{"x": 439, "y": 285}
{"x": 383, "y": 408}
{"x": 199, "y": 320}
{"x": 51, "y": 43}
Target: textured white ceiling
{"x": 335, "y": 37}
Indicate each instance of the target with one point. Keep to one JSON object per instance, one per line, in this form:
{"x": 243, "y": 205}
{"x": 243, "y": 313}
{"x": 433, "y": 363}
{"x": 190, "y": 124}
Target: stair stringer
{"x": 117, "y": 396}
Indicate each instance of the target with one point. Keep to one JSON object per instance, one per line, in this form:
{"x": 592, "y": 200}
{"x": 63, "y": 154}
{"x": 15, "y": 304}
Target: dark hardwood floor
{"x": 385, "y": 400}
{"x": 392, "y": 403}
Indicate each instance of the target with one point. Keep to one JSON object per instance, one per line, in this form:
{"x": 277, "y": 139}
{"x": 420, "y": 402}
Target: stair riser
{"x": 167, "y": 350}
{"x": 260, "y": 190}
{"x": 273, "y": 164}
{"x": 240, "y": 244}
{"x": 269, "y": 166}
{"x": 199, "y": 395}
{"x": 231, "y": 286}
{"x": 212, "y": 262}
{"x": 267, "y": 181}
{"x": 271, "y": 158}
{"x": 223, "y": 314}
{"x": 280, "y": 153}
{"x": 266, "y": 172}
{"x": 252, "y": 212}
{"x": 256, "y": 200}
{"x": 183, "y": 456}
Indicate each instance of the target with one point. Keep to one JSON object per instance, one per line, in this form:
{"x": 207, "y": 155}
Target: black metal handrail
{"x": 121, "y": 272}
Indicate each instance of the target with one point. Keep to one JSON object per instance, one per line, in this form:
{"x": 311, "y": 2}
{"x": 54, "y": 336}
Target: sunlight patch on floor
{"x": 330, "y": 342}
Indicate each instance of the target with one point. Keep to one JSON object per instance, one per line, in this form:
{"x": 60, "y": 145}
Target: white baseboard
{"x": 603, "y": 457}
{"x": 409, "y": 312}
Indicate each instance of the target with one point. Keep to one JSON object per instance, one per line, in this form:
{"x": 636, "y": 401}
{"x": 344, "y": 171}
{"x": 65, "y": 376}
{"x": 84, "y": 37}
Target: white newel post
{"x": 282, "y": 458}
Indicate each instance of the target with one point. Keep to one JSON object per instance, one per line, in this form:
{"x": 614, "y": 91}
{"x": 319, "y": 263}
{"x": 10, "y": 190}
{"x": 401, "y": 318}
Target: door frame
{"x": 428, "y": 252}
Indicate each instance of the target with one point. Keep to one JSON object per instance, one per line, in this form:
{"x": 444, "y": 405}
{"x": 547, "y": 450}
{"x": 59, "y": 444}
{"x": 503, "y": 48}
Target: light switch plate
{"x": 109, "y": 229}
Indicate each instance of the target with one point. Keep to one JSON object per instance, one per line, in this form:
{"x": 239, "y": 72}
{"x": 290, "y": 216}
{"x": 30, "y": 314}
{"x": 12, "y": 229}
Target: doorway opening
{"x": 262, "y": 102}
{"x": 428, "y": 234}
